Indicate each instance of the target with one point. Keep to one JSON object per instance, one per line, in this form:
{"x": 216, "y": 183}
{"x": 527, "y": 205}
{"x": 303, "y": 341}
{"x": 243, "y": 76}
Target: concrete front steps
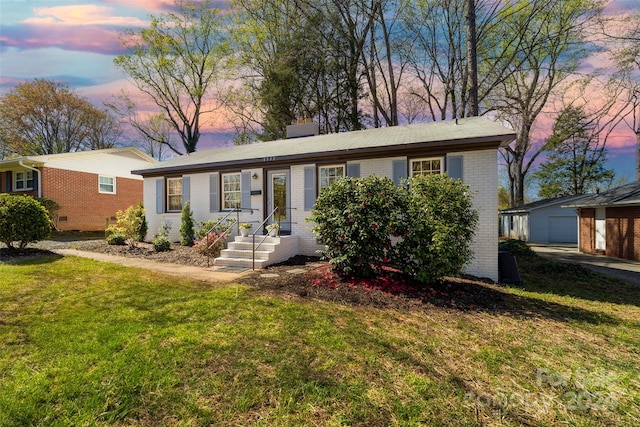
{"x": 273, "y": 250}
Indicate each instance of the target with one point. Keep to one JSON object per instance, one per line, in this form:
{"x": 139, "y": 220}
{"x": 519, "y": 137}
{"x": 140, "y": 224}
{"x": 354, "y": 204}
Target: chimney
{"x": 305, "y": 127}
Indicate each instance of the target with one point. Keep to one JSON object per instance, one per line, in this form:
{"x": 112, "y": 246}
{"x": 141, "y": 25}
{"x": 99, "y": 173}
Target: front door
{"x": 278, "y": 195}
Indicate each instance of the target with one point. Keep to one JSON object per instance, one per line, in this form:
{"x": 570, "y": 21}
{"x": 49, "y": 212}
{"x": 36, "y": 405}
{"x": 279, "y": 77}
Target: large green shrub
{"x": 354, "y": 219}
{"x": 424, "y": 228}
{"x": 187, "y": 234}
{"x": 438, "y": 225}
{"x": 22, "y": 219}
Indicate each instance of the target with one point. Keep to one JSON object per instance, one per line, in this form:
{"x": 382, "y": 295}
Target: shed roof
{"x": 469, "y": 133}
{"x": 544, "y": 203}
{"x": 625, "y": 195}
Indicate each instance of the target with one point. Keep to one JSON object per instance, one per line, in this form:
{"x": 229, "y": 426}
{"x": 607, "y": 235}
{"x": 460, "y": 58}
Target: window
{"x": 23, "y": 181}
{"x": 330, "y": 174}
{"x": 174, "y": 194}
{"x": 426, "y": 166}
{"x": 231, "y": 191}
{"x": 107, "y": 184}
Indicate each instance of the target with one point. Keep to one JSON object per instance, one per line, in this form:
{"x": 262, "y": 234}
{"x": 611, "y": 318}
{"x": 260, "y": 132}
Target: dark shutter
{"x": 454, "y": 167}
{"x": 9, "y": 176}
{"x": 160, "y": 195}
{"x": 309, "y": 188}
{"x": 245, "y": 190}
{"x": 186, "y": 189}
{"x": 353, "y": 170}
{"x": 214, "y": 200}
{"x": 36, "y": 174}
{"x": 399, "y": 171}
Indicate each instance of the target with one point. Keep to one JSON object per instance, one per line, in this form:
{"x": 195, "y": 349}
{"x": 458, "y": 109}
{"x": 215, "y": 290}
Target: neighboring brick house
{"x": 89, "y": 186}
{"x": 289, "y": 174}
{"x": 609, "y": 222}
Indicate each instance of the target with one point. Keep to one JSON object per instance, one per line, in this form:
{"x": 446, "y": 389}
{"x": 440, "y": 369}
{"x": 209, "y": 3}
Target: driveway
{"x": 628, "y": 271}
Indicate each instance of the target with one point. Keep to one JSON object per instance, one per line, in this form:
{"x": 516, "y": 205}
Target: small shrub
{"x": 22, "y": 219}
{"x": 141, "y": 220}
{"x": 515, "y": 247}
{"x": 116, "y": 237}
{"x": 186, "y": 225}
{"x": 161, "y": 242}
{"x": 206, "y": 245}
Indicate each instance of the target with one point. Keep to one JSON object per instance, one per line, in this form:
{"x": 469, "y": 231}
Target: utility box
{"x": 508, "y": 269}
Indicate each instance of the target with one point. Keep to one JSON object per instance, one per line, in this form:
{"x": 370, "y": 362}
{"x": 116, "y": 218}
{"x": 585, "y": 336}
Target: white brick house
{"x": 288, "y": 174}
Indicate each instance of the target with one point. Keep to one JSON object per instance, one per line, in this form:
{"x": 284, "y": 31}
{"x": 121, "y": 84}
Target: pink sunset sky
{"x": 75, "y": 42}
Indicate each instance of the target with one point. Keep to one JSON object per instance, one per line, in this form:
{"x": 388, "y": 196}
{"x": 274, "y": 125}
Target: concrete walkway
{"x": 212, "y": 274}
{"x": 628, "y": 271}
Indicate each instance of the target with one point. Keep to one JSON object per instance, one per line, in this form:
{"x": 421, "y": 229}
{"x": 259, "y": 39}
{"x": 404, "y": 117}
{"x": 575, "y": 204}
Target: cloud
{"x": 82, "y": 15}
{"x": 85, "y": 39}
{"x": 163, "y": 5}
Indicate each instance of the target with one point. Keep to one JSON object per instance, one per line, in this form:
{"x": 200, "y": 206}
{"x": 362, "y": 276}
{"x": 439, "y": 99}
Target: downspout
{"x": 37, "y": 173}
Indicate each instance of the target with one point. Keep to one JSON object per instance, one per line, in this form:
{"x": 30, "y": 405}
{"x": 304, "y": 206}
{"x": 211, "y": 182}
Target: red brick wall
{"x": 587, "y": 230}
{"x": 85, "y": 208}
{"x": 623, "y": 232}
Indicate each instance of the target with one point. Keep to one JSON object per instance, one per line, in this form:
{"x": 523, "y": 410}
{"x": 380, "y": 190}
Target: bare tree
{"x": 176, "y": 62}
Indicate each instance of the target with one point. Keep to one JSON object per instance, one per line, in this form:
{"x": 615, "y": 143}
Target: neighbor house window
{"x": 107, "y": 184}
{"x": 23, "y": 180}
{"x": 330, "y": 174}
{"x": 231, "y": 191}
{"x": 426, "y": 166}
{"x": 174, "y": 194}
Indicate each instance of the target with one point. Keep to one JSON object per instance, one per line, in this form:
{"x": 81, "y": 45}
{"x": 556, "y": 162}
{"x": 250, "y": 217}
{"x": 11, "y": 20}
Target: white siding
{"x": 480, "y": 172}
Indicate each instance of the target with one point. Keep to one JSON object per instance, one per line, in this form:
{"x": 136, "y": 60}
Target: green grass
{"x": 89, "y": 343}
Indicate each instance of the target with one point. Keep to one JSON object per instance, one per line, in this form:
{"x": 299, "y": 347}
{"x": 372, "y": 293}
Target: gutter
{"x": 39, "y": 177}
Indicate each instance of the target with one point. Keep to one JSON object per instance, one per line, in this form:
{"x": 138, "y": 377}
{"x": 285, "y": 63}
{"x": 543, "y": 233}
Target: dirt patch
{"x": 309, "y": 277}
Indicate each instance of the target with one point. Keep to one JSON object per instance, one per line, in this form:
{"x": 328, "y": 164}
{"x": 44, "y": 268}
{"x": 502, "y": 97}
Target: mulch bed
{"x": 390, "y": 290}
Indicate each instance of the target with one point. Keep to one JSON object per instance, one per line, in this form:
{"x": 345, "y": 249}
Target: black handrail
{"x": 226, "y": 232}
{"x": 253, "y": 238}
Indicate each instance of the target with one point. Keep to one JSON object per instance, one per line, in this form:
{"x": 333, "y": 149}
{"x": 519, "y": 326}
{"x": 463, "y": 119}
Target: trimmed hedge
{"x": 22, "y": 219}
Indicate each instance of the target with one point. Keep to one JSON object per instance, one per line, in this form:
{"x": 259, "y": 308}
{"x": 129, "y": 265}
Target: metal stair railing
{"x": 226, "y": 231}
{"x": 253, "y": 237}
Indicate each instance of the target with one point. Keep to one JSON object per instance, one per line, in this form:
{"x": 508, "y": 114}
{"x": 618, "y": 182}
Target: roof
{"x": 111, "y": 161}
{"x": 472, "y": 133}
{"x": 544, "y": 203}
{"x": 626, "y": 195}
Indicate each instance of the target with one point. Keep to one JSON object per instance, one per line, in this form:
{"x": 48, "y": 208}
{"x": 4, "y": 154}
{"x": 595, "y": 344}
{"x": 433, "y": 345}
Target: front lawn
{"x": 90, "y": 343}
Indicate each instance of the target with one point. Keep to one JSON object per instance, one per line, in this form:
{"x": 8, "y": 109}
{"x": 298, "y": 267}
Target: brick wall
{"x": 83, "y": 206}
{"x": 587, "y": 238}
{"x": 623, "y": 232}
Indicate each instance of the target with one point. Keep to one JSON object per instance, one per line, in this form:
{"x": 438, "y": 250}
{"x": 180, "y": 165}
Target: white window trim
{"x": 441, "y": 159}
{"x": 223, "y": 204}
{"x": 25, "y": 180}
{"x": 168, "y": 195}
{"x": 320, "y": 167}
{"x": 100, "y": 190}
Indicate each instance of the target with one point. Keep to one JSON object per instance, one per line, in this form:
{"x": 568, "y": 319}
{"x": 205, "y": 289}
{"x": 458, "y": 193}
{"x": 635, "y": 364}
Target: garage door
{"x": 563, "y": 229}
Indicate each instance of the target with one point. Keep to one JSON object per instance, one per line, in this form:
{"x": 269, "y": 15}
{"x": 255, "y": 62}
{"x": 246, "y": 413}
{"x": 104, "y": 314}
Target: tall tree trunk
{"x": 472, "y": 60}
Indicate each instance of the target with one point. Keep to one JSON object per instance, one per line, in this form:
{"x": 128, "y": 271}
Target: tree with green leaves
{"x": 176, "y": 63}
{"x": 45, "y": 117}
{"x": 576, "y": 157}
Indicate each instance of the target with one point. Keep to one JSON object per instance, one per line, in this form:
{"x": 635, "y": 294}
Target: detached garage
{"x": 544, "y": 221}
